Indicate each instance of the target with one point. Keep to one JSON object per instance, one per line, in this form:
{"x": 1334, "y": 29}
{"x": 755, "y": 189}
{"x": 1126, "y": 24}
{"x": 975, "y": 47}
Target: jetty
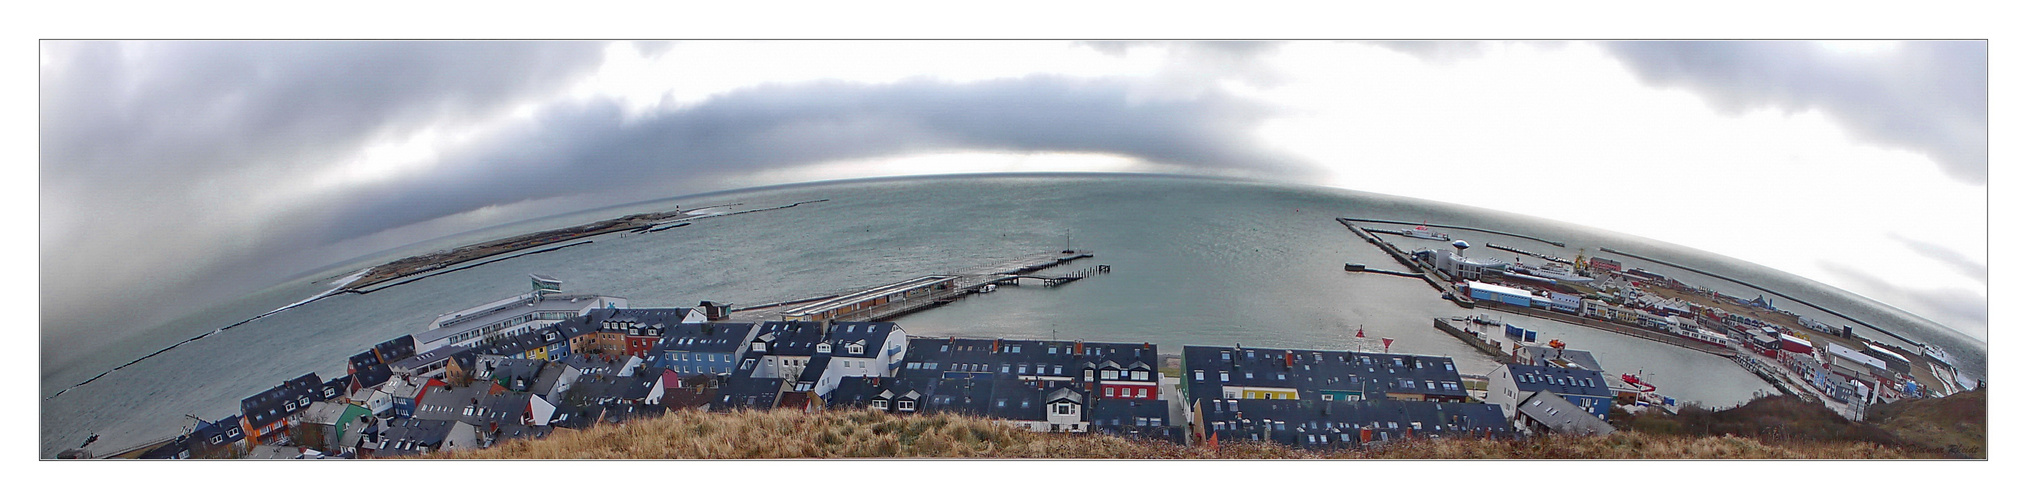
{"x": 1050, "y": 281}
{"x": 1549, "y": 258}
{"x": 1776, "y": 294}
{"x": 1452, "y": 326}
{"x": 1430, "y": 274}
{"x": 1502, "y": 233}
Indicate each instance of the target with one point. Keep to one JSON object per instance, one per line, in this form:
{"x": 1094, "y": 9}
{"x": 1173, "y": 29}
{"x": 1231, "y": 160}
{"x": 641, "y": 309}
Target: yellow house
{"x": 1241, "y": 392}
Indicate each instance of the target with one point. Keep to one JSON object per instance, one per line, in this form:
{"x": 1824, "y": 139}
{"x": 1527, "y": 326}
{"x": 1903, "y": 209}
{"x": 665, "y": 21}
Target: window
{"x": 907, "y": 405}
{"x": 1108, "y": 375}
{"x": 1016, "y": 349}
{"x": 1052, "y": 349}
{"x": 1059, "y": 369}
{"x": 1109, "y": 392}
{"x": 1140, "y": 375}
{"x": 1143, "y": 392}
{"x": 1200, "y": 375}
{"x": 1327, "y": 397}
{"x": 1225, "y": 355}
{"x": 1024, "y": 369}
{"x": 1280, "y": 376}
{"x": 1224, "y": 376}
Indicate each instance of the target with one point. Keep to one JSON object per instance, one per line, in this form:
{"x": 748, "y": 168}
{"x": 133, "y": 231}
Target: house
{"x": 1852, "y": 364}
{"x": 518, "y": 375}
{"x": 1251, "y": 373}
{"x": 366, "y": 370}
{"x": 635, "y": 332}
{"x": 784, "y": 347}
{"x": 1317, "y": 424}
{"x": 1133, "y": 418}
{"x": 643, "y": 387}
{"x": 1537, "y": 355}
{"x": 224, "y": 438}
{"x": 435, "y": 363}
{"x": 1586, "y": 389}
{"x": 1116, "y": 370}
{"x": 266, "y": 414}
{"x": 395, "y": 349}
{"x": 692, "y": 392}
{"x": 330, "y": 426}
{"x": 865, "y": 349}
{"x": 408, "y": 437}
{"x": 407, "y": 394}
{"x": 744, "y": 390}
{"x": 702, "y": 348}
{"x": 1545, "y": 412}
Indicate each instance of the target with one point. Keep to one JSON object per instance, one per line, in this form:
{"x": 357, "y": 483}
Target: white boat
{"x": 1552, "y": 271}
{"x": 988, "y": 288}
{"x": 1423, "y": 232}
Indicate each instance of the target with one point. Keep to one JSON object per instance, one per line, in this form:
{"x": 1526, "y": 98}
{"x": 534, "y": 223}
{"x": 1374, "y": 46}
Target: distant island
{"x": 439, "y": 260}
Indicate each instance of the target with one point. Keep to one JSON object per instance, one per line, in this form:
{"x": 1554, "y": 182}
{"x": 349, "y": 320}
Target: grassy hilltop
{"x": 1913, "y": 429}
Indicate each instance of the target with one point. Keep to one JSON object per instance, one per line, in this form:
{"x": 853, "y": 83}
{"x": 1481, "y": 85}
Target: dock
{"x": 1502, "y": 233}
{"x": 1430, "y": 274}
{"x": 1665, "y": 338}
{"x": 960, "y": 287}
{"x": 1497, "y": 246}
{"x": 1476, "y": 341}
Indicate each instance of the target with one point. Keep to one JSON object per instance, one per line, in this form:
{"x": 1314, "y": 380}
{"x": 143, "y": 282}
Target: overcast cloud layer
{"x": 1929, "y": 97}
{"x": 180, "y": 174}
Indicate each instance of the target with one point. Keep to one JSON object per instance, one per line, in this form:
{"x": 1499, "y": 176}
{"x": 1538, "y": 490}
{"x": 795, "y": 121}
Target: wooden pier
{"x": 1430, "y": 274}
{"x": 1050, "y": 281}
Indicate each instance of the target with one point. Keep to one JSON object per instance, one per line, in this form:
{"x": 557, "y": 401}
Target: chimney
{"x": 1288, "y": 359}
{"x": 1080, "y": 348}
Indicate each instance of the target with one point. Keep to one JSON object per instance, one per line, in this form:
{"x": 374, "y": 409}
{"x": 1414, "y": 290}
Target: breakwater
{"x": 1776, "y": 294}
{"x": 1501, "y": 233}
{"x": 1429, "y": 274}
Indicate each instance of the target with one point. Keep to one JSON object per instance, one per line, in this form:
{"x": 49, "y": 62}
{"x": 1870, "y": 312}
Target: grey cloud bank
{"x": 1925, "y": 96}
{"x": 155, "y": 154}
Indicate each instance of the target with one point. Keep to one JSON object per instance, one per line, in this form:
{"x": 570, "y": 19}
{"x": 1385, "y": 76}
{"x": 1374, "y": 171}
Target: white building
{"x": 511, "y": 316}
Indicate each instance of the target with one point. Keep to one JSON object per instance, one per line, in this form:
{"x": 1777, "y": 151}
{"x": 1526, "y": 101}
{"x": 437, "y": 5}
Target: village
{"x": 523, "y": 366}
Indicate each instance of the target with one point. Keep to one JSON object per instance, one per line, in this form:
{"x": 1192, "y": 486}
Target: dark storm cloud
{"x": 1927, "y": 97}
{"x": 1964, "y": 310}
{"x": 592, "y": 147}
{"x": 1963, "y": 264}
{"x": 148, "y": 149}
{"x": 155, "y": 156}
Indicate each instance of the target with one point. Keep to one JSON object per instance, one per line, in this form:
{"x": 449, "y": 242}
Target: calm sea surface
{"x": 1193, "y": 262}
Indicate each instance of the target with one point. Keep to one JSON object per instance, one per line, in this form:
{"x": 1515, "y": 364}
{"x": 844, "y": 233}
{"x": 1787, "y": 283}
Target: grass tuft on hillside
{"x": 871, "y": 434}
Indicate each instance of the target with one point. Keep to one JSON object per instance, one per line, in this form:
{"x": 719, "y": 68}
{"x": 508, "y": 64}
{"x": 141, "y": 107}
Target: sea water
{"x": 1194, "y": 262}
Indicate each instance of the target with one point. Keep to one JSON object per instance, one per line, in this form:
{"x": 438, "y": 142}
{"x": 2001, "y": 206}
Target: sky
{"x": 178, "y": 174}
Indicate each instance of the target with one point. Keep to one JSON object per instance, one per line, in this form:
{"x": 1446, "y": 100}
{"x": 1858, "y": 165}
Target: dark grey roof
{"x": 1560, "y": 415}
{"x": 1560, "y": 380}
{"x": 1311, "y": 423}
{"x": 407, "y": 436}
{"x": 434, "y": 355}
{"x": 518, "y": 375}
{"x": 1008, "y": 357}
{"x": 1310, "y": 371}
{"x": 705, "y": 337}
{"x": 870, "y": 336}
{"x": 793, "y": 338}
{"x": 272, "y": 405}
{"x": 743, "y": 390}
{"x": 395, "y": 349}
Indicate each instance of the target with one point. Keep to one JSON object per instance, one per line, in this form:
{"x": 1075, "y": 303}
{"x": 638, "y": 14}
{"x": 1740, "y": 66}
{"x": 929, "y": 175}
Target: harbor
{"x": 1425, "y": 272}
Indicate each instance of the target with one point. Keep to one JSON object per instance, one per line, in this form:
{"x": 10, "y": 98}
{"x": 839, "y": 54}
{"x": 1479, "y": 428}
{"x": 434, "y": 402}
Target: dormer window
{"x": 907, "y": 405}
{"x": 823, "y": 348}
{"x": 855, "y": 349}
{"x": 880, "y": 404}
{"x": 303, "y": 400}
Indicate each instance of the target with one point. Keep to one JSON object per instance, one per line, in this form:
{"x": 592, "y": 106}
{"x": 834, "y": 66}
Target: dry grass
{"x": 870, "y": 434}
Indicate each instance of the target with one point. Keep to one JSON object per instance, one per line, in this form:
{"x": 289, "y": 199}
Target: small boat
{"x": 988, "y": 288}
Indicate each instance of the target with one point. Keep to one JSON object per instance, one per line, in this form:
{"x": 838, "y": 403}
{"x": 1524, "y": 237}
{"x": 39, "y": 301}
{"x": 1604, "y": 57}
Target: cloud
{"x": 1925, "y": 96}
{"x": 1957, "y": 308}
{"x": 158, "y": 158}
{"x": 161, "y": 161}
{"x": 1974, "y": 268}
{"x": 593, "y": 146}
